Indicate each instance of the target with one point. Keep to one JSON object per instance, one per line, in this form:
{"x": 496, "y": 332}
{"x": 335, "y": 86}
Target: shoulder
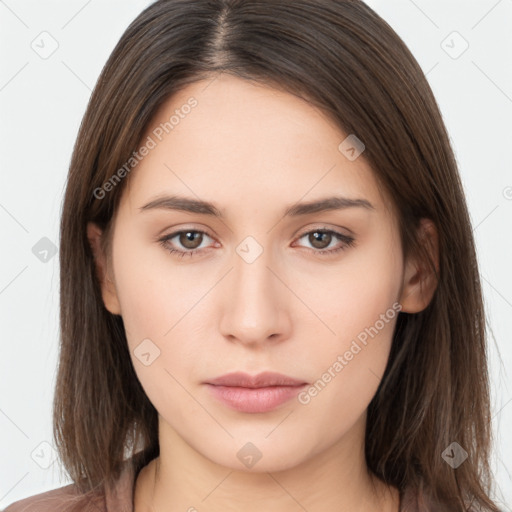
{"x": 115, "y": 498}
{"x": 59, "y": 500}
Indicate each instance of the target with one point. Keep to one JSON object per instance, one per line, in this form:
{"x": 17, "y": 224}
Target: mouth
{"x": 254, "y": 394}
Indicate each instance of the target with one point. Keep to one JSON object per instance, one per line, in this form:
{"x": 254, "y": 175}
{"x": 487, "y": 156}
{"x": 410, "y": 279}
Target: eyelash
{"x": 347, "y": 240}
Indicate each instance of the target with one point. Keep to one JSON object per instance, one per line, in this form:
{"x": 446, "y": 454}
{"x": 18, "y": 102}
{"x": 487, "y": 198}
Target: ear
{"x": 108, "y": 290}
{"x": 420, "y": 282}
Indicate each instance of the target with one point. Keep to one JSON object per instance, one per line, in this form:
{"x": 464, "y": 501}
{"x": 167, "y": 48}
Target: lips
{"x": 254, "y": 393}
{"x": 262, "y": 380}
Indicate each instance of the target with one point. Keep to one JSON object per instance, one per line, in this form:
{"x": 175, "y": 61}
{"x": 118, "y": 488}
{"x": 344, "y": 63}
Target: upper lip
{"x": 261, "y": 380}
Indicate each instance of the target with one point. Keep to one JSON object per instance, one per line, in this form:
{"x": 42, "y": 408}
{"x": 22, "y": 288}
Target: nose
{"x": 254, "y": 307}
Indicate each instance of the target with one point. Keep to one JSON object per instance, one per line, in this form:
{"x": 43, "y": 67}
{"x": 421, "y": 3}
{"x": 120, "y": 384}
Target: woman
{"x": 269, "y": 291}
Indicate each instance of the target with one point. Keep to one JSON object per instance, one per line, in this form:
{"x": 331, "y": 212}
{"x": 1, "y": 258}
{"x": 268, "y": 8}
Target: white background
{"x": 42, "y": 102}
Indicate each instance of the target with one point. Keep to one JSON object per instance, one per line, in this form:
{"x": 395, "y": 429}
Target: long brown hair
{"x": 343, "y": 58}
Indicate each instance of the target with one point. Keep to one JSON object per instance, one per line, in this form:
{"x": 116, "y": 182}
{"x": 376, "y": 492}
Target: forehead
{"x": 228, "y": 140}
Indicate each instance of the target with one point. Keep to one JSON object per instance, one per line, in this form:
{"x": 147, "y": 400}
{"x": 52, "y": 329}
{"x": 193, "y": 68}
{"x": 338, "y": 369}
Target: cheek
{"x": 352, "y": 295}
{"x": 159, "y": 317}
{"x": 158, "y": 303}
{"x": 360, "y": 305}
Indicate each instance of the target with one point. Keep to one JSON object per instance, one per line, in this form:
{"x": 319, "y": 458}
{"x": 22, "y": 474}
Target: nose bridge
{"x": 252, "y": 310}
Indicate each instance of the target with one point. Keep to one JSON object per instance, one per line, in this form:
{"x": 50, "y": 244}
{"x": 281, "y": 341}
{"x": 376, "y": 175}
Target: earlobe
{"x": 108, "y": 290}
{"x": 420, "y": 282}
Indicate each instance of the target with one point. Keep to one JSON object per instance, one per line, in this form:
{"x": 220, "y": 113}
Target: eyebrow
{"x": 207, "y": 208}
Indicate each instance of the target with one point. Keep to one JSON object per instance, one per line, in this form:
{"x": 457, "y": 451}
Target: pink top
{"x": 120, "y": 499}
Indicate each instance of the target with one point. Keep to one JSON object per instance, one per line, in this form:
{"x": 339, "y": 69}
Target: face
{"x": 312, "y": 293}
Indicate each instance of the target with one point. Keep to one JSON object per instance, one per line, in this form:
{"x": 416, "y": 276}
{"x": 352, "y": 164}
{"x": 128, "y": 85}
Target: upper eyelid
{"x": 320, "y": 226}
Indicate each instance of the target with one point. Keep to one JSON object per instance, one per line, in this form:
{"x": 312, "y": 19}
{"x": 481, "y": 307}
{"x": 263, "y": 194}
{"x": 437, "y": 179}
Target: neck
{"x": 181, "y": 479}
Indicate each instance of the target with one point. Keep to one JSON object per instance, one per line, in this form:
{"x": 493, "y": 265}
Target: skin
{"x": 253, "y": 151}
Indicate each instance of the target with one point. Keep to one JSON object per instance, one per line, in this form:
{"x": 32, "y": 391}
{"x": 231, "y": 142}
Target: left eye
{"x": 327, "y": 235}
{"x": 320, "y": 239}
{"x": 187, "y": 238}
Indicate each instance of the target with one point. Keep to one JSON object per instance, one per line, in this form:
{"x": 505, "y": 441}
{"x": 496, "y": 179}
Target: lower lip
{"x": 254, "y": 400}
